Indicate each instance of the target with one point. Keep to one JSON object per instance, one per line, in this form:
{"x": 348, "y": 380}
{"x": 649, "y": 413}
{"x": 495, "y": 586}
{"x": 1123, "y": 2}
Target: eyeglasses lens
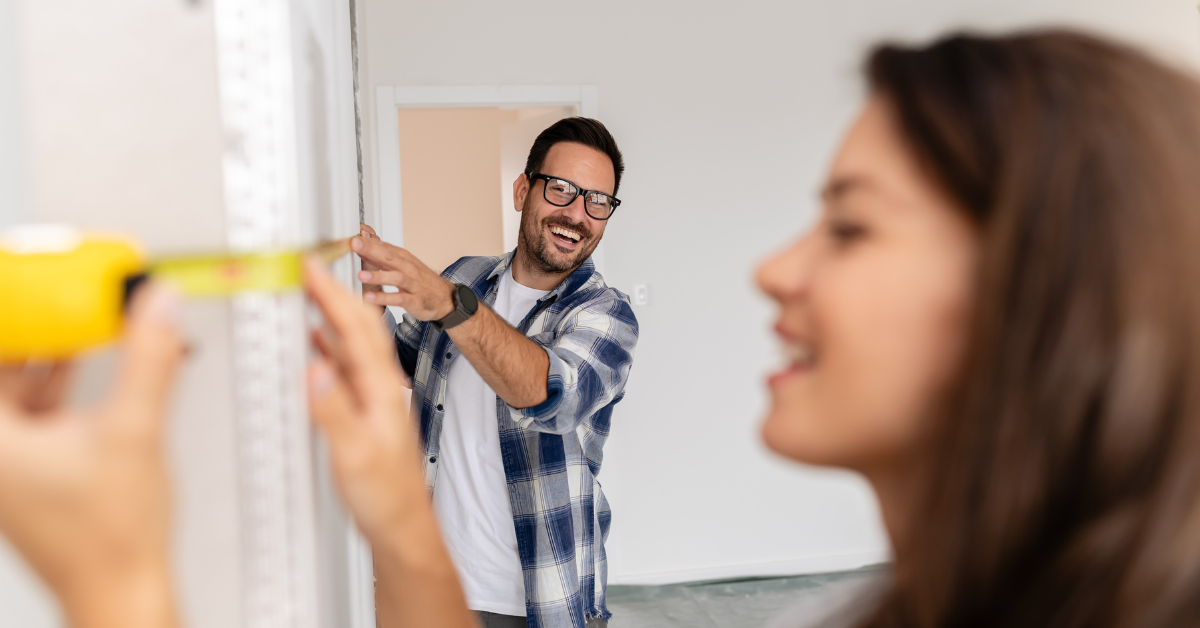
{"x": 563, "y": 193}
{"x": 599, "y": 205}
{"x": 560, "y": 192}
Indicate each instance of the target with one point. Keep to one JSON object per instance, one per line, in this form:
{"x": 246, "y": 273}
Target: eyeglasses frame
{"x": 535, "y": 177}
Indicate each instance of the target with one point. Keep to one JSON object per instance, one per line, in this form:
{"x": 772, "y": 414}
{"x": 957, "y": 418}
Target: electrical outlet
{"x": 641, "y": 294}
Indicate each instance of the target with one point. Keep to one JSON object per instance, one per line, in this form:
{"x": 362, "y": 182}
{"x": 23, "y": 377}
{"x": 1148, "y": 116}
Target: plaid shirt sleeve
{"x": 407, "y": 336}
{"x": 590, "y": 358}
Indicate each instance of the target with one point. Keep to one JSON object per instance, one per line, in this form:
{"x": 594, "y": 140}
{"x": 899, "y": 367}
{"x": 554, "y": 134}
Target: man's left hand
{"x": 422, "y": 291}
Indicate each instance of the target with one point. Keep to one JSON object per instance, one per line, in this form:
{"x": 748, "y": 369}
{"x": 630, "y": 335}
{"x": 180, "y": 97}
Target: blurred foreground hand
{"x": 356, "y": 394}
{"x": 84, "y": 494}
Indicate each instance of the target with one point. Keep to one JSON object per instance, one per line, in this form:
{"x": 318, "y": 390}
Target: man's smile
{"x": 564, "y": 237}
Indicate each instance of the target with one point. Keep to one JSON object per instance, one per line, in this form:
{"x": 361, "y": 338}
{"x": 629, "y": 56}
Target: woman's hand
{"x": 84, "y": 493}
{"x": 356, "y": 396}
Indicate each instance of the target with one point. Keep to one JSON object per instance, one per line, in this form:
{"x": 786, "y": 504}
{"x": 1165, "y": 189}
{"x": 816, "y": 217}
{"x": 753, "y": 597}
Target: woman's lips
{"x": 782, "y": 375}
{"x": 799, "y": 355}
{"x": 789, "y": 371}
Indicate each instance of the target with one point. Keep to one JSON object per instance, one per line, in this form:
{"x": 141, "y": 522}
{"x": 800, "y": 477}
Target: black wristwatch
{"x": 465, "y": 306}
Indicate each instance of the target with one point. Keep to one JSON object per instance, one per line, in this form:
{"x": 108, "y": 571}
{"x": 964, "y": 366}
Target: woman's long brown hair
{"x": 1065, "y": 490}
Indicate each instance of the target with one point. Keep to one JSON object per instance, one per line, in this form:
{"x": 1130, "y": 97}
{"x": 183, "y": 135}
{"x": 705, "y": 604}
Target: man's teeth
{"x": 799, "y": 353}
{"x": 566, "y": 233}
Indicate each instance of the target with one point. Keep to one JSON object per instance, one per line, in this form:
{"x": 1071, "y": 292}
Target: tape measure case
{"x": 56, "y": 303}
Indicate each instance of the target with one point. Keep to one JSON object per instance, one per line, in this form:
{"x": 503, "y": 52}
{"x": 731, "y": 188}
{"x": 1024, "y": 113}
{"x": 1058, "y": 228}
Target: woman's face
{"x": 873, "y": 308}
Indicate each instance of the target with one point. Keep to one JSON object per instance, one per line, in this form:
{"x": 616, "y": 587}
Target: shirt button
{"x": 447, "y": 355}
{"x": 433, "y": 459}
{"x": 439, "y": 407}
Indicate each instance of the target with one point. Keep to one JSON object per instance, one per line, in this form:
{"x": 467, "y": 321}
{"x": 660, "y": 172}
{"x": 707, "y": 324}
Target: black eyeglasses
{"x": 560, "y": 192}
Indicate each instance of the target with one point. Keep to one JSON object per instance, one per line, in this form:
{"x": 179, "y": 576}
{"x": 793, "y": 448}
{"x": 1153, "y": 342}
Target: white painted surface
{"x": 27, "y": 603}
{"x": 488, "y": 95}
{"x": 13, "y": 203}
{"x": 123, "y": 133}
{"x": 707, "y": 99}
{"x": 123, "y": 140}
{"x": 387, "y": 164}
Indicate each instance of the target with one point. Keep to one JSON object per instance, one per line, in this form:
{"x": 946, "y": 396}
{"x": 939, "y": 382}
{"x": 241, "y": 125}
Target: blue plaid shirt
{"x": 552, "y": 452}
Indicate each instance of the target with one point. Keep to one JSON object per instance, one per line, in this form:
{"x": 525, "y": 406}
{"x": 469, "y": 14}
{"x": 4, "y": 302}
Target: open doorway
{"x": 457, "y": 167}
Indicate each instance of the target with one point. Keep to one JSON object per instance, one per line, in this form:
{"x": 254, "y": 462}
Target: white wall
{"x": 118, "y": 139}
{"x": 727, "y": 114}
{"x": 123, "y": 133}
{"x": 12, "y": 141}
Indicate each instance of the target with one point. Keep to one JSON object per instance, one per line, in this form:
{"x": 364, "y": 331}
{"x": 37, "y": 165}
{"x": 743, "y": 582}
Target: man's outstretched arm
{"x": 512, "y": 365}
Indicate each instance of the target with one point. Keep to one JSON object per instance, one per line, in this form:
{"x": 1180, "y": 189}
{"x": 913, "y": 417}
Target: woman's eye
{"x": 846, "y": 232}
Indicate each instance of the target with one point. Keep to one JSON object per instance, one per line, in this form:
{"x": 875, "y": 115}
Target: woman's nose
{"x": 785, "y": 274}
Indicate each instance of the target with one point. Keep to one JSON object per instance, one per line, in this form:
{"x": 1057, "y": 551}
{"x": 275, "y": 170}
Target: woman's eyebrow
{"x": 840, "y": 187}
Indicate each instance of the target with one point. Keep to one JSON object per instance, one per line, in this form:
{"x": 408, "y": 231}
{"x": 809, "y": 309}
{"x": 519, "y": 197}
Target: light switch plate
{"x": 641, "y": 294}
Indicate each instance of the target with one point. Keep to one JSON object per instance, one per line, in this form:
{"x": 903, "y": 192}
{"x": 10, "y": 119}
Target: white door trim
{"x": 390, "y": 99}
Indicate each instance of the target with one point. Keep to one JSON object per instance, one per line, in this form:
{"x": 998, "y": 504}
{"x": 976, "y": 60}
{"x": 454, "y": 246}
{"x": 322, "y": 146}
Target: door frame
{"x": 389, "y": 100}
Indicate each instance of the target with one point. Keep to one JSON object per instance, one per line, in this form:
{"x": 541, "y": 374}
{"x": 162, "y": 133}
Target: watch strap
{"x": 462, "y": 311}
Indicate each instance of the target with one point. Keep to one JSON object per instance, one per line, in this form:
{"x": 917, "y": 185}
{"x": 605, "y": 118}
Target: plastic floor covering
{"x": 748, "y": 603}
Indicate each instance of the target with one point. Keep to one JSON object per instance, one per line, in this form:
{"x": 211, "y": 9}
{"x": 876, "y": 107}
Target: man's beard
{"x": 540, "y": 249}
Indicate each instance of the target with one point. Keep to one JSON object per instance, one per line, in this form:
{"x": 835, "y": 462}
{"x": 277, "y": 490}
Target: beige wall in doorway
{"x": 449, "y": 163}
{"x": 451, "y": 159}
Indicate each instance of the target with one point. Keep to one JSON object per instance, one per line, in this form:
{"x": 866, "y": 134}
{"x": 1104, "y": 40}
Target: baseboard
{"x": 791, "y": 567}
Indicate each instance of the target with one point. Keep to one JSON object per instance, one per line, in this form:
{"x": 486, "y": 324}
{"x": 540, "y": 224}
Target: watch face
{"x": 466, "y": 297}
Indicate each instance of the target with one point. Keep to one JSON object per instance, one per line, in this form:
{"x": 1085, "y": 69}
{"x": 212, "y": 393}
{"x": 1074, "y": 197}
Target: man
{"x": 513, "y": 434}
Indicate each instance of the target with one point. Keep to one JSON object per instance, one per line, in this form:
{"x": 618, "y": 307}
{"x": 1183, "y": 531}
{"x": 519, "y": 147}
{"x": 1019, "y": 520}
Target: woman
{"x": 992, "y": 323}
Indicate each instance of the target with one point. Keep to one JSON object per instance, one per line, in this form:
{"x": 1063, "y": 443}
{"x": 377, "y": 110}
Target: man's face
{"x": 548, "y": 233}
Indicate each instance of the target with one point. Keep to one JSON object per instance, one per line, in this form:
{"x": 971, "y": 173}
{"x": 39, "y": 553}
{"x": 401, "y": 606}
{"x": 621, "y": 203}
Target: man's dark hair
{"x": 586, "y": 131}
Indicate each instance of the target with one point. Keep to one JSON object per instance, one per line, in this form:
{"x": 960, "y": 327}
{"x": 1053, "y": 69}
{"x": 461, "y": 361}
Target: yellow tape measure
{"x": 222, "y": 275}
{"x": 62, "y": 292}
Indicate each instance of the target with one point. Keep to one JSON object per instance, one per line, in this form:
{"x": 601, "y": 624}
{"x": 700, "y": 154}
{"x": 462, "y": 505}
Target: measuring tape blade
{"x": 226, "y": 275}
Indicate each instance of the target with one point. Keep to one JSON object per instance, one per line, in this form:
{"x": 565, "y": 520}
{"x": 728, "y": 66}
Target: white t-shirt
{"x": 471, "y": 494}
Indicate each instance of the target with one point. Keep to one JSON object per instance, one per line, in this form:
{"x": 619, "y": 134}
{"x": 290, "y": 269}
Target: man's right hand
{"x": 366, "y": 232}
{"x": 420, "y": 290}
